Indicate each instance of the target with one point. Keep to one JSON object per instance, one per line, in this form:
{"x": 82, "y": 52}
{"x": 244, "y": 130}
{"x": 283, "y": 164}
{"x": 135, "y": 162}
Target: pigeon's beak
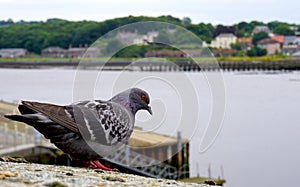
{"x": 149, "y": 109}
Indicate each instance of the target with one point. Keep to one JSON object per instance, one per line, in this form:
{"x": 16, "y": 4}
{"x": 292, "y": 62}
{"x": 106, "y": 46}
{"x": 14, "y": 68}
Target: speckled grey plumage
{"x": 87, "y": 129}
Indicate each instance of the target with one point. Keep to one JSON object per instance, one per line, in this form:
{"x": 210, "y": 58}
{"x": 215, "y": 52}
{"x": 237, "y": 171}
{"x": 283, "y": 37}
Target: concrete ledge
{"x": 24, "y": 175}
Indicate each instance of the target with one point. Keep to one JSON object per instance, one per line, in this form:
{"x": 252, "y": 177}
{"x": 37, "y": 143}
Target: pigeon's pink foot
{"x": 95, "y": 164}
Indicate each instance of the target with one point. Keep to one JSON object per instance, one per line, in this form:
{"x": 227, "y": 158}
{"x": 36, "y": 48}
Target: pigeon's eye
{"x": 143, "y": 97}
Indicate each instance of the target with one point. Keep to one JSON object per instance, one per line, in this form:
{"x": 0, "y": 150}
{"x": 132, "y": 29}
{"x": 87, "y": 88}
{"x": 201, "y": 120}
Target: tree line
{"x": 37, "y": 35}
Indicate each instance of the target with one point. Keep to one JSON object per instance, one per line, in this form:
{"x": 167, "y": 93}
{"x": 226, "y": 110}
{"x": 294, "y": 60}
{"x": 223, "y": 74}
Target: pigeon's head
{"x": 135, "y": 98}
{"x": 140, "y": 99}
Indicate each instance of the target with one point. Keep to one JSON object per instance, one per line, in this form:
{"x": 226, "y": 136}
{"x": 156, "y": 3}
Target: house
{"x": 78, "y": 52}
{"x": 75, "y": 52}
{"x": 224, "y": 52}
{"x": 278, "y": 38}
{"x": 136, "y": 38}
{"x": 13, "y": 53}
{"x": 223, "y": 36}
{"x": 289, "y": 49}
{"x": 92, "y": 52}
{"x": 290, "y": 45}
{"x": 225, "y": 29}
{"x": 72, "y": 52}
{"x": 261, "y": 28}
{"x": 53, "y": 52}
{"x": 290, "y": 40}
{"x": 223, "y": 41}
{"x": 165, "y": 53}
{"x": 294, "y": 28}
{"x": 245, "y": 42}
{"x": 272, "y": 46}
{"x": 145, "y": 39}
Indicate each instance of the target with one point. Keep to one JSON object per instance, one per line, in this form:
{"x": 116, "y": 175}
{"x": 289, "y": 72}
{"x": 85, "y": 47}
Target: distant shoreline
{"x": 155, "y": 65}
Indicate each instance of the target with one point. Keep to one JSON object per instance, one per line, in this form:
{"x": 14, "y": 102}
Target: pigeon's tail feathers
{"x": 16, "y": 118}
{"x": 29, "y": 118}
{"x": 24, "y": 110}
{"x": 40, "y": 122}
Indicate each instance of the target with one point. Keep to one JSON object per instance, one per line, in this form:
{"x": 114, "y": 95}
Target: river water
{"x": 258, "y": 140}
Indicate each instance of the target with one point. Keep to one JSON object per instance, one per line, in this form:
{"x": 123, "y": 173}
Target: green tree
{"x": 204, "y": 31}
{"x": 251, "y": 52}
{"x": 236, "y": 46}
{"x": 259, "y": 36}
{"x": 245, "y": 29}
{"x": 256, "y": 51}
{"x": 274, "y": 24}
{"x": 186, "y": 21}
{"x": 284, "y": 30}
{"x": 261, "y": 51}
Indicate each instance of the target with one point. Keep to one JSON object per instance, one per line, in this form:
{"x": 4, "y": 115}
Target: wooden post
{"x": 169, "y": 153}
{"x": 179, "y": 148}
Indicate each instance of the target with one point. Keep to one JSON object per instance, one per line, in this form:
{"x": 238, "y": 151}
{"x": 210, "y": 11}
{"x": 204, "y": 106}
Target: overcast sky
{"x": 209, "y": 11}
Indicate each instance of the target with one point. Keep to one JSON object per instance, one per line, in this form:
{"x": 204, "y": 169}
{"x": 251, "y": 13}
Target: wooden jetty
{"x": 160, "y": 65}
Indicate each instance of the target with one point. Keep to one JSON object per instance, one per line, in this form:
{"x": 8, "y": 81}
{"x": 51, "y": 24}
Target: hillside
{"x": 35, "y": 36}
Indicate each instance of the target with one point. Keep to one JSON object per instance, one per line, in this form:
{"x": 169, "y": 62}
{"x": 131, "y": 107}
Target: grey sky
{"x": 212, "y": 11}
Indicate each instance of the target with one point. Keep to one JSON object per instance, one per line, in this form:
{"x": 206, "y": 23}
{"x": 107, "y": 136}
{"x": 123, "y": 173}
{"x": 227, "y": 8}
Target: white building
{"x": 143, "y": 39}
{"x": 13, "y": 53}
{"x": 261, "y": 28}
{"x": 223, "y": 41}
{"x": 135, "y": 38}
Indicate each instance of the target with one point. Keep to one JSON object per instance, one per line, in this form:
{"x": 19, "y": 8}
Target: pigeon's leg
{"x": 95, "y": 164}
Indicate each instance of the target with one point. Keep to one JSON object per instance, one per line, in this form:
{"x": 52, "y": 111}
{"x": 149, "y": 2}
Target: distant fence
{"x": 12, "y": 137}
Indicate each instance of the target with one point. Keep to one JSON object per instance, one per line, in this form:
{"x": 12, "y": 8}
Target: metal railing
{"x": 11, "y": 135}
{"x": 143, "y": 164}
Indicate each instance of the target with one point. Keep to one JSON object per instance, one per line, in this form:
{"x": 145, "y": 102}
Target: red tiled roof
{"x": 267, "y": 41}
{"x": 278, "y": 38}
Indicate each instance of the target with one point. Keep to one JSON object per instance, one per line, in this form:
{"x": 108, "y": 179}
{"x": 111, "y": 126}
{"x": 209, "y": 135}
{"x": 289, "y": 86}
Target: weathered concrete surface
{"x": 25, "y": 175}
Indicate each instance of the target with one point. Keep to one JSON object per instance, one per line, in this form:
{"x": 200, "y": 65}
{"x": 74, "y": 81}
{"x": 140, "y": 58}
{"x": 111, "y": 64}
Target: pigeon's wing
{"x": 101, "y": 121}
{"x": 54, "y": 112}
{"x": 98, "y": 121}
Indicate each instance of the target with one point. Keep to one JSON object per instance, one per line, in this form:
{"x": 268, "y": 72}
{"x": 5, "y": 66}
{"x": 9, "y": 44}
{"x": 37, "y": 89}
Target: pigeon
{"x": 87, "y": 130}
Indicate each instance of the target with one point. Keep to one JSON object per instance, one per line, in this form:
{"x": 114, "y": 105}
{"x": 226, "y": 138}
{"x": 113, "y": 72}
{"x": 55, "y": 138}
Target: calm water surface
{"x": 258, "y": 144}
